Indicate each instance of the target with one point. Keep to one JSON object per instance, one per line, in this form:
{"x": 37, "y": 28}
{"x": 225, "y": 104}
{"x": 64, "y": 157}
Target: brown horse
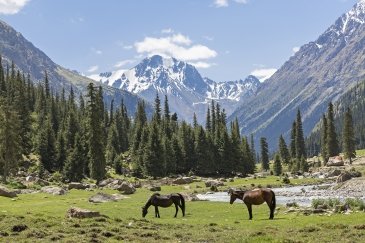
{"x": 165, "y": 201}
{"x": 255, "y": 197}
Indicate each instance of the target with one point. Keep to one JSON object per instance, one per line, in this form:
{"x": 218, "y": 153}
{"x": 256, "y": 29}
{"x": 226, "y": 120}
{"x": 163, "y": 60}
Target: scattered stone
{"x": 222, "y": 179}
{"x": 154, "y": 188}
{"x": 126, "y": 188}
{"x": 333, "y": 173}
{"x": 19, "y": 228}
{"x": 105, "y": 182}
{"x": 4, "y": 192}
{"x": 81, "y": 213}
{"x": 182, "y": 180}
{"x": 54, "y": 190}
{"x": 26, "y": 191}
{"x": 78, "y": 186}
{"x": 30, "y": 178}
{"x": 335, "y": 161}
{"x": 101, "y": 197}
{"x": 344, "y": 176}
{"x": 210, "y": 183}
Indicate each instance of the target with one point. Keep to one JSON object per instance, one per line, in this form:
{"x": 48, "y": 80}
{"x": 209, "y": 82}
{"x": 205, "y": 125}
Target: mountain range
{"x": 30, "y": 60}
{"x": 186, "y": 90}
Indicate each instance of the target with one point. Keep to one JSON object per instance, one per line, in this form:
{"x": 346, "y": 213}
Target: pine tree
{"x": 348, "y": 136}
{"x": 73, "y": 169}
{"x": 95, "y": 134}
{"x": 277, "y": 165}
{"x": 283, "y": 150}
{"x": 47, "y": 146}
{"x": 205, "y": 164}
{"x": 299, "y": 138}
{"x": 252, "y": 147}
{"x": 10, "y": 151}
{"x": 157, "y": 107}
{"x": 208, "y": 123}
{"x": 112, "y": 147}
{"x": 236, "y": 155}
{"x": 61, "y": 151}
{"x": 264, "y": 154}
{"x": 324, "y": 139}
{"x": 153, "y": 153}
{"x": 166, "y": 109}
{"x": 332, "y": 143}
{"x": 293, "y": 135}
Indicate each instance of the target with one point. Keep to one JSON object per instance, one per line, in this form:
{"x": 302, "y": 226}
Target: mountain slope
{"x": 185, "y": 88}
{"x": 30, "y": 60}
{"x": 319, "y": 72}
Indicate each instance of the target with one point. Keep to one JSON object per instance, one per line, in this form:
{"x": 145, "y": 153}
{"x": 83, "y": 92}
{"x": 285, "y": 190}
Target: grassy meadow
{"x": 43, "y": 219}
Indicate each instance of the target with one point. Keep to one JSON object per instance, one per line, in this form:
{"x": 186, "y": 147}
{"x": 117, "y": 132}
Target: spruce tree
{"x": 264, "y": 154}
{"x": 277, "y": 165}
{"x": 293, "y": 135}
{"x": 153, "y": 153}
{"x": 299, "y": 138}
{"x": 283, "y": 151}
{"x": 348, "y": 136}
{"x": 332, "y": 143}
{"x": 73, "y": 169}
{"x": 252, "y": 147}
{"x": 324, "y": 130}
{"x": 205, "y": 164}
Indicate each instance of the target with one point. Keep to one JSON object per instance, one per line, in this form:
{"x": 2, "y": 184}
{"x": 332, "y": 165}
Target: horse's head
{"x": 234, "y": 196}
{"x": 144, "y": 212}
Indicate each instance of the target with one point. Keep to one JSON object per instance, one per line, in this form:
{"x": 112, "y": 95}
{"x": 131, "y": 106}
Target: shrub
{"x": 56, "y": 177}
{"x": 286, "y": 179}
{"x": 355, "y": 203}
{"x": 329, "y": 203}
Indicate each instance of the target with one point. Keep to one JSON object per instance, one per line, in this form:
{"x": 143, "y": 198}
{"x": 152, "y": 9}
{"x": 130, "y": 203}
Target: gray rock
{"x": 105, "y": 182}
{"x": 210, "y": 183}
{"x": 126, "y": 188}
{"x": 182, "y": 180}
{"x": 5, "y": 192}
{"x": 78, "y": 186}
{"x": 154, "y": 188}
{"x": 345, "y": 176}
{"x": 81, "y": 213}
{"x": 54, "y": 190}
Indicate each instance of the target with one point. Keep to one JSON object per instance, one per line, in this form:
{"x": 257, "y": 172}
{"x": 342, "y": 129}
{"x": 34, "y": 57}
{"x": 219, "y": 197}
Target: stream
{"x": 302, "y": 195}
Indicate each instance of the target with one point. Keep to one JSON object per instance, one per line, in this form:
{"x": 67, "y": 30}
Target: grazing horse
{"x": 255, "y": 197}
{"x": 164, "y": 201}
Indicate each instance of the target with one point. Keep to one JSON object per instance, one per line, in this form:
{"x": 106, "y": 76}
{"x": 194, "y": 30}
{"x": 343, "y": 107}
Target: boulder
{"x": 41, "y": 182}
{"x": 102, "y": 197}
{"x": 105, "y": 182}
{"x": 333, "y": 173}
{"x": 78, "y": 186}
{"x": 4, "y": 192}
{"x": 222, "y": 180}
{"x": 344, "y": 176}
{"x": 54, "y": 190}
{"x": 335, "y": 161}
{"x": 81, "y": 213}
{"x": 30, "y": 178}
{"x": 182, "y": 180}
{"x": 154, "y": 188}
{"x": 210, "y": 183}
{"x": 126, "y": 188}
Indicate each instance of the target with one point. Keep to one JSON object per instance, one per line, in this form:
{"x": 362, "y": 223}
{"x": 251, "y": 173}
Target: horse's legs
{"x": 183, "y": 211}
{"x": 271, "y": 209}
{"x": 177, "y": 209}
{"x": 249, "y": 208}
{"x": 157, "y": 213}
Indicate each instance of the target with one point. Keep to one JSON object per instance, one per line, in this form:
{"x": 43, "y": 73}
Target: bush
{"x": 56, "y": 177}
{"x": 355, "y": 203}
{"x": 286, "y": 179}
{"x": 354, "y": 173}
{"x": 16, "y": 185}
{"x": 329, "y": 203}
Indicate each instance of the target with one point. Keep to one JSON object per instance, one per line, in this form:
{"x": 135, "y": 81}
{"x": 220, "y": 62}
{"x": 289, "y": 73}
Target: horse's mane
{"x": 232, "y": 190}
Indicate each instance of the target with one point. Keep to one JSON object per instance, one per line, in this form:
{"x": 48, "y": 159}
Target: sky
{"x": 224, "y": 39}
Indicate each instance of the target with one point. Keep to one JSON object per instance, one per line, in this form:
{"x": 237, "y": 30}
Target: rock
{"x": 4, "y": 192}
{"x": 333, "y": 173}
{"x": 81, "y": 213}
{"x": 41, "y": 182}
{"x": 105, "y": 182}
{"x": 210, "y": 183}
{"x": 78, "y": 186}
{"x": 27, "y": 191}
{"x": 102, "y": 197}
{"x": 54, "y": 190}
{"x": 345, "y": 176}
{"x": 30, "y": 178}
{"x": 222, "y": 179}
{"x": 291, "y": 205}
{"x": 182, "y": 180}
{"x": 335, "y": 161}
{"x": 126, "y": 188}
{"x": 319, "y": 210}
{"x": 154, "y": 188}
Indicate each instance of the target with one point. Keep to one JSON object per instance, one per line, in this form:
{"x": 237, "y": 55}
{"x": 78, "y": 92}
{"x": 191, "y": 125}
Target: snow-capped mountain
{"x": 320, "y": 72}
{"x": 185, "y": 88}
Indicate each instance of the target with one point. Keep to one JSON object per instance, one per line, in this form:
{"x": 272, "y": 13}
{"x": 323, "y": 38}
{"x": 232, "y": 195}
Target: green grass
{"x": 360, "y": 153}
{"x": 45, "y": 218}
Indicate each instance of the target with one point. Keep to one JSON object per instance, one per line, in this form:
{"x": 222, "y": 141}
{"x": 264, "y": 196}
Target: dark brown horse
{"x": 165, "y": 201}
{"x": 255, "y": 197}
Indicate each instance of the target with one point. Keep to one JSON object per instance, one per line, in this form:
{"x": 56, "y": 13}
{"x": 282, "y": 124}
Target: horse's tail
{"x": 273, "y": 200}
{"x": 182, "y": 203}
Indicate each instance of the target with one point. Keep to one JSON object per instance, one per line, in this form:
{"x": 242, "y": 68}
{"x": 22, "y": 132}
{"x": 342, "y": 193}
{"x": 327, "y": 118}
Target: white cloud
{"x": 167, "y": 31}
{"x": 202, "y": 64}
{"x": 93, "y": 69}
{"x": 176, "y": 45}
{"x": 128, "y": 47}
{"x": 225, "y": 3}
{"x": 295, "y": 49}
{"x": 263, "y": 73}
{"x": 12, "y": 6}
{"x": 96, "y": 51}
{"x": 123, "y": 63}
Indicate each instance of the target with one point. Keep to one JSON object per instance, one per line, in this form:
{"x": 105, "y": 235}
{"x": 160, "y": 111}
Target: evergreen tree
{"x": 324, "y": 130}
{"x": 166, "y": 109}
{"x": 208, "y": 122}
{"x": 73, "y": 169}
{"x": 10, "y": 151}
{"x": 252, "y": 147}
{"x": 157, "y": 114}
{"x": 95, "y": 134}
{"x": 332, "y": 143}
{"x": 299, "y": 138}
{"x": 112, "y": 147}
{"x": 61, "y": 152}
{"x": 283, "y": 151}
{"x": 304, "y": 167}
{"x": 293, "y": 135}
{"x": 264, "y": 154}
{"x": 153, "y": 153}
{"x": 46, "y": 146}
{"x": 348, "y": 136}
{"x": 277, "y": 165}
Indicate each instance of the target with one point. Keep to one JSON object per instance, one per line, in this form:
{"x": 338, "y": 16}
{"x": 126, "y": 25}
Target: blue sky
{"x": 225, "y": 39}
